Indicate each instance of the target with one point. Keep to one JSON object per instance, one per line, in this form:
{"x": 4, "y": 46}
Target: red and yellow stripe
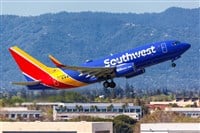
{"x": 53, "y": 77}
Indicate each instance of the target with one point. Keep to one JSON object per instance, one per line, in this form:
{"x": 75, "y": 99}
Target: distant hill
{"x": 76, "y": 37}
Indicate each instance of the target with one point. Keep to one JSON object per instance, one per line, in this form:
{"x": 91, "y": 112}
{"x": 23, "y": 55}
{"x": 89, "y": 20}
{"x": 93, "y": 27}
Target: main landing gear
{"x": 107, "y": 84}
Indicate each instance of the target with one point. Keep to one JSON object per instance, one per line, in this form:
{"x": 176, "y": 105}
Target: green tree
{"x": 96, "y": 108}
{"x": 93, "y": 108}
{"x": 110, "y": 107}
{"x": 124, "y": 106}
{"x": 74, "y": 97}
{"x": 121, "y": 127}
{"x": 79, "y": 108}
{"x": 123, "y": 124}
{"x": 16, "y": 99}
{"x": 68, "y": 97}
{"x": 2, "y": 102}
{"x": 137, "y": 101}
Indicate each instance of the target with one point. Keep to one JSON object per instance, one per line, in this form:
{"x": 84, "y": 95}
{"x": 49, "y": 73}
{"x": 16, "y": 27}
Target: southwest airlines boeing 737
{"x": 125, "y": 64}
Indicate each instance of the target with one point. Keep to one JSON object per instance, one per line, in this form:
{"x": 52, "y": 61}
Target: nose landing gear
{"x": 111, "y": 84}
{"x": 174, "y": 64}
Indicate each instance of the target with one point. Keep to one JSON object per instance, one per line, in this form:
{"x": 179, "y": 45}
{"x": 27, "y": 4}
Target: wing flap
{"x": 30, "y": 83}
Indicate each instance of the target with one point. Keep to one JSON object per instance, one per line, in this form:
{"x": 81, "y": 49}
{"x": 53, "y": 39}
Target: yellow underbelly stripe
{"x": 64, "y": 78}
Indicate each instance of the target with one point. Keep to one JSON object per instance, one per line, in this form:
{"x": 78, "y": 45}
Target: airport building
{"x": 56, "y": 127}
{"x": 20, "y": 113}
{"x": 103, "y": 110}
{"x": 170, "y": 128}
{"x": 180, "y": 102}
{"x": 191, "y": 112}
{"x": 64, "y": 111}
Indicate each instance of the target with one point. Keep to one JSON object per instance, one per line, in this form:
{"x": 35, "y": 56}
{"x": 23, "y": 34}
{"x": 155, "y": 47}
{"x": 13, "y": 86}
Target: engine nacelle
{"x": 133, "y": 74}
{"x": 124, "y": 69}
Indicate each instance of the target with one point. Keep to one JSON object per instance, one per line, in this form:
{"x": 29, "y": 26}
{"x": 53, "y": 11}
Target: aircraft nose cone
{"x": 187, "y": 46}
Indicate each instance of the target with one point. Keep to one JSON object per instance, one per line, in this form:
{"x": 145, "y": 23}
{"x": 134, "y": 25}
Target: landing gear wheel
{"x": 106, "y": 84}
{"x": 112, "y": 84}
{"x": 173, "y": 64}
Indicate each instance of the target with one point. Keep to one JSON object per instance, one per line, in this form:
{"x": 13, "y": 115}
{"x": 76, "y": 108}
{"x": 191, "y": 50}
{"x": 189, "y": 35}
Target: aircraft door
{"x": 164, "y": 47}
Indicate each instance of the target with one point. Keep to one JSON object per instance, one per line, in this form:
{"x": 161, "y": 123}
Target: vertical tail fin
{"x": 31, "y": 68}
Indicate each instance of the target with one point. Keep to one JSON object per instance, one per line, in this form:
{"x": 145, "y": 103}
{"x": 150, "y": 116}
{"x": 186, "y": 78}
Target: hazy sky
{"x": 37, "y": 7}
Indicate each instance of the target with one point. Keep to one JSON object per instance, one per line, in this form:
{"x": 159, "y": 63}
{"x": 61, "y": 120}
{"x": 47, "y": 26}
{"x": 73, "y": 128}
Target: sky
{"x": 37, "y": 7}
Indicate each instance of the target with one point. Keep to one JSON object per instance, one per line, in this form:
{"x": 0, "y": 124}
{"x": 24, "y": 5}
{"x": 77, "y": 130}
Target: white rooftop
{"x": 170, "y": 127}
{"x": 73, "y": 104}
{"x": 182, "y": 109}
{"x": 14, "y": 109}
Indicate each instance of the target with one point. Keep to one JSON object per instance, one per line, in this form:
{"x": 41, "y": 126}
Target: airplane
{"x": 128, "y": 64}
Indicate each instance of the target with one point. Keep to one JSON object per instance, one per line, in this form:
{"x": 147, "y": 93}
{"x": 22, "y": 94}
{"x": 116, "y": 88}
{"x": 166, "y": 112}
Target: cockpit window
{"x": 176, "y": 43}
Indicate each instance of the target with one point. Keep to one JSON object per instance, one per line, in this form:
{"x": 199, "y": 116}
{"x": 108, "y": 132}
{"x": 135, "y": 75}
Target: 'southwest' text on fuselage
{"x": 129, "y": 56}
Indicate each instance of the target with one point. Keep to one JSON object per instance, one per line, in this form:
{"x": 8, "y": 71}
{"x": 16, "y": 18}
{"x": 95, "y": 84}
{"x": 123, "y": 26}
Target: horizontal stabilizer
{"x": 56, "y": 62}
{"x": 30, "y": 83}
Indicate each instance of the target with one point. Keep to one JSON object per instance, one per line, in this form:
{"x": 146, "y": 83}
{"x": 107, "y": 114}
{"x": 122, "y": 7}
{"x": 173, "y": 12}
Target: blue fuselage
{"x": 139, "y": 58}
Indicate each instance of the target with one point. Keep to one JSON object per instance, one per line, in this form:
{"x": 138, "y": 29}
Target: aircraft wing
{"x": 98, "y": 72}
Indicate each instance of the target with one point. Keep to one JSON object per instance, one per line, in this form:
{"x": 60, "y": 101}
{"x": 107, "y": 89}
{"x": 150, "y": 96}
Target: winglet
{"x": 56, "y": 62}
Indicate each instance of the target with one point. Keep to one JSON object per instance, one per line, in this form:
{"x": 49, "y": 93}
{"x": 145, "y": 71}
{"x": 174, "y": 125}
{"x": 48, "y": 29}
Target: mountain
{"x": 76, "y": 37}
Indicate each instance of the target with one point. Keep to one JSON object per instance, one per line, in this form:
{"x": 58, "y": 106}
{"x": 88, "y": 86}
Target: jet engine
{"x": 124, "y": 69}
